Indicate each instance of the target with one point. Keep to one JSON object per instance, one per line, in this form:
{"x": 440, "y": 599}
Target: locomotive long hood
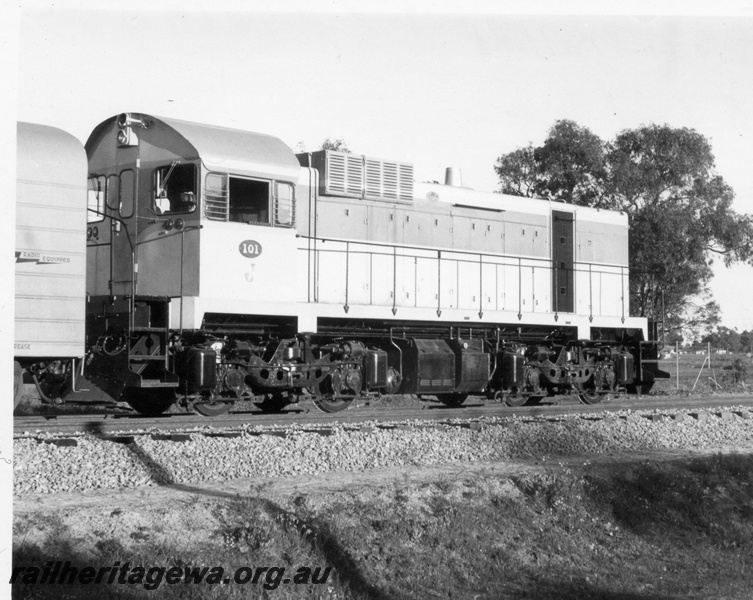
{"x": 496, "y": 202}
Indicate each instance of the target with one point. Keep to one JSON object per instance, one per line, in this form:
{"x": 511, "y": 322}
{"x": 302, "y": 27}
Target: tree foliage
{"x": 337, "y": 144}
{"x": 569, "y": 167}
{"x": 518, "y": 172}
{"x": 680, "y": 209}
{"x": 725, "y": 338}
{"x": 572, "y": 165}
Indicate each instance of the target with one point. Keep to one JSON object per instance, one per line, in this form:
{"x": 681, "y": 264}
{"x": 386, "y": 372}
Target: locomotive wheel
{"x": 591, "y": 396}
{"x": 515, "y": 400}
{"x": 452, "y": 400}
{"x": 331, "y": 404}
{"x": 394, "y": 379}
{"x": 336, "y": 391}
{"x": 149, "y": 402}
{"x": 212, "y": 408}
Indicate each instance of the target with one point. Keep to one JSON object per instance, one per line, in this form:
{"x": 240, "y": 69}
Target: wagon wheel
{"x": 50, "y": 384}
{"x": 18, "y": 384}
{"x": 149, "y": 402}
{"x": 453, "y": 400}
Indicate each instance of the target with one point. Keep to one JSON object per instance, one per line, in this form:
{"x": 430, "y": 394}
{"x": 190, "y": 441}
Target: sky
{"x": 437, "y": 84}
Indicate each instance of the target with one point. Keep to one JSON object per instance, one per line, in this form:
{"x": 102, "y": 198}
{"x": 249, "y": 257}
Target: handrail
{"x": 134, "y": 268}
{"x": 475, "y": 253}
{"x": 539, "y": 267}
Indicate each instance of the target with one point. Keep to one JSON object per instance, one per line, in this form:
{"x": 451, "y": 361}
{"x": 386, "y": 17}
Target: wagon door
{"x": 563, "y": 287}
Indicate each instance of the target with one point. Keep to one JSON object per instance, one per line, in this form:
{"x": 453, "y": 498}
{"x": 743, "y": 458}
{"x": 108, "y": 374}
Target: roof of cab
{"x": 230, "y": 150}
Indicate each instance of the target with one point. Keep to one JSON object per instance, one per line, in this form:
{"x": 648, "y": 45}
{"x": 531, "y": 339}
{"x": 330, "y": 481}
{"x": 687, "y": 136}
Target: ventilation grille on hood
{"x": 357, "y": 176}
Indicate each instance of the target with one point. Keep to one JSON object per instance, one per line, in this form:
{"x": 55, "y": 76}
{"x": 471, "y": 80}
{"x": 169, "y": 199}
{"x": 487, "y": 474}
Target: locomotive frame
{"x": 222, "y": 267}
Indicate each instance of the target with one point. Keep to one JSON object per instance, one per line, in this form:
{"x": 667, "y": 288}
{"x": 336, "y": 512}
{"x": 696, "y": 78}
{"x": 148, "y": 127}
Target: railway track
{"x": 110, "y": 423}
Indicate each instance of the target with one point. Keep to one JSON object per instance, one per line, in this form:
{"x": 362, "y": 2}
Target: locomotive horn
{"x": 128, "y": 120}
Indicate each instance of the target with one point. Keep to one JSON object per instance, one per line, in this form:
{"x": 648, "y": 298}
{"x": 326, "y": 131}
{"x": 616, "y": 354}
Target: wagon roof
{"x": 49, "y": 155}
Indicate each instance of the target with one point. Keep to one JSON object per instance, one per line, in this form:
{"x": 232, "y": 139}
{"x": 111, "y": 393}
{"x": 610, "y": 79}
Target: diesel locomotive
{"x": 220, "y": 266}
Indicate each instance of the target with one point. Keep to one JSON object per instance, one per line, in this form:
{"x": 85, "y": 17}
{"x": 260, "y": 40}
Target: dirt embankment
{"x": 671, "y": 524}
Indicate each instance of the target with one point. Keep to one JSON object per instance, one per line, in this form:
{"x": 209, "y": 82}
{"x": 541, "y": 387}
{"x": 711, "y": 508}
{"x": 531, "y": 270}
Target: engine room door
{"x": 563, "y": 275}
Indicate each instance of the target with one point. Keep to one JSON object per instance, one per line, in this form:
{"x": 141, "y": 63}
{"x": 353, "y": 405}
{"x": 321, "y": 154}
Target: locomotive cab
{"x": 185, "y": 221}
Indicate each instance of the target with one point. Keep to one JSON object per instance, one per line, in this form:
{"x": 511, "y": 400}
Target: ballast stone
{"x": 98, "y": 464}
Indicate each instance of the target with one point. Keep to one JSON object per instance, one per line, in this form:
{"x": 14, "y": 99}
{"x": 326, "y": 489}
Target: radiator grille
{"x": 357, "y": 176}
{"x": 389, "y": 180}
{"x": 405, "y": 182}
{"x": 344, "y": 174}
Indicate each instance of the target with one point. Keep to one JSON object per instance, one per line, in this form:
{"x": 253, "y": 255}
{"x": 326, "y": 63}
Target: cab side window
{"x": 126, "y": 193}
{"x": 284, "y": 206}
{"x": 249, "y": 200}
{"x": 175, "y": 189}
{"x": 97, "y": 193}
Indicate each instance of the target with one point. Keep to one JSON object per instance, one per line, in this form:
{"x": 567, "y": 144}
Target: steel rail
{"x": 429, "y": 413}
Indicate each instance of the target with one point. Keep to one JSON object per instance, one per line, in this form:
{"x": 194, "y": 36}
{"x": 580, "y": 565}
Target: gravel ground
{"x": 95, "y": 463}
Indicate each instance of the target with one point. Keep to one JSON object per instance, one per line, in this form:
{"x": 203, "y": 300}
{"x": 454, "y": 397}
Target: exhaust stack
{"x": 453, "y": 176}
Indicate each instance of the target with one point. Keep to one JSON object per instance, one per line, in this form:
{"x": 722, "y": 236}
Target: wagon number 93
{"x": 250, "y": 248}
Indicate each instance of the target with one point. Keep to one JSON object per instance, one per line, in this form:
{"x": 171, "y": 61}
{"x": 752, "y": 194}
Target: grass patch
{"x": 710, "y": 499}
{"x": 728, "y": 373}
{"x": 645, "y": 531}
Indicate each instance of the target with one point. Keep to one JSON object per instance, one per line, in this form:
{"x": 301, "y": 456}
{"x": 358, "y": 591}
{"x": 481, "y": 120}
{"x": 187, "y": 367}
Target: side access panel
{"x": 472, "y": 366}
